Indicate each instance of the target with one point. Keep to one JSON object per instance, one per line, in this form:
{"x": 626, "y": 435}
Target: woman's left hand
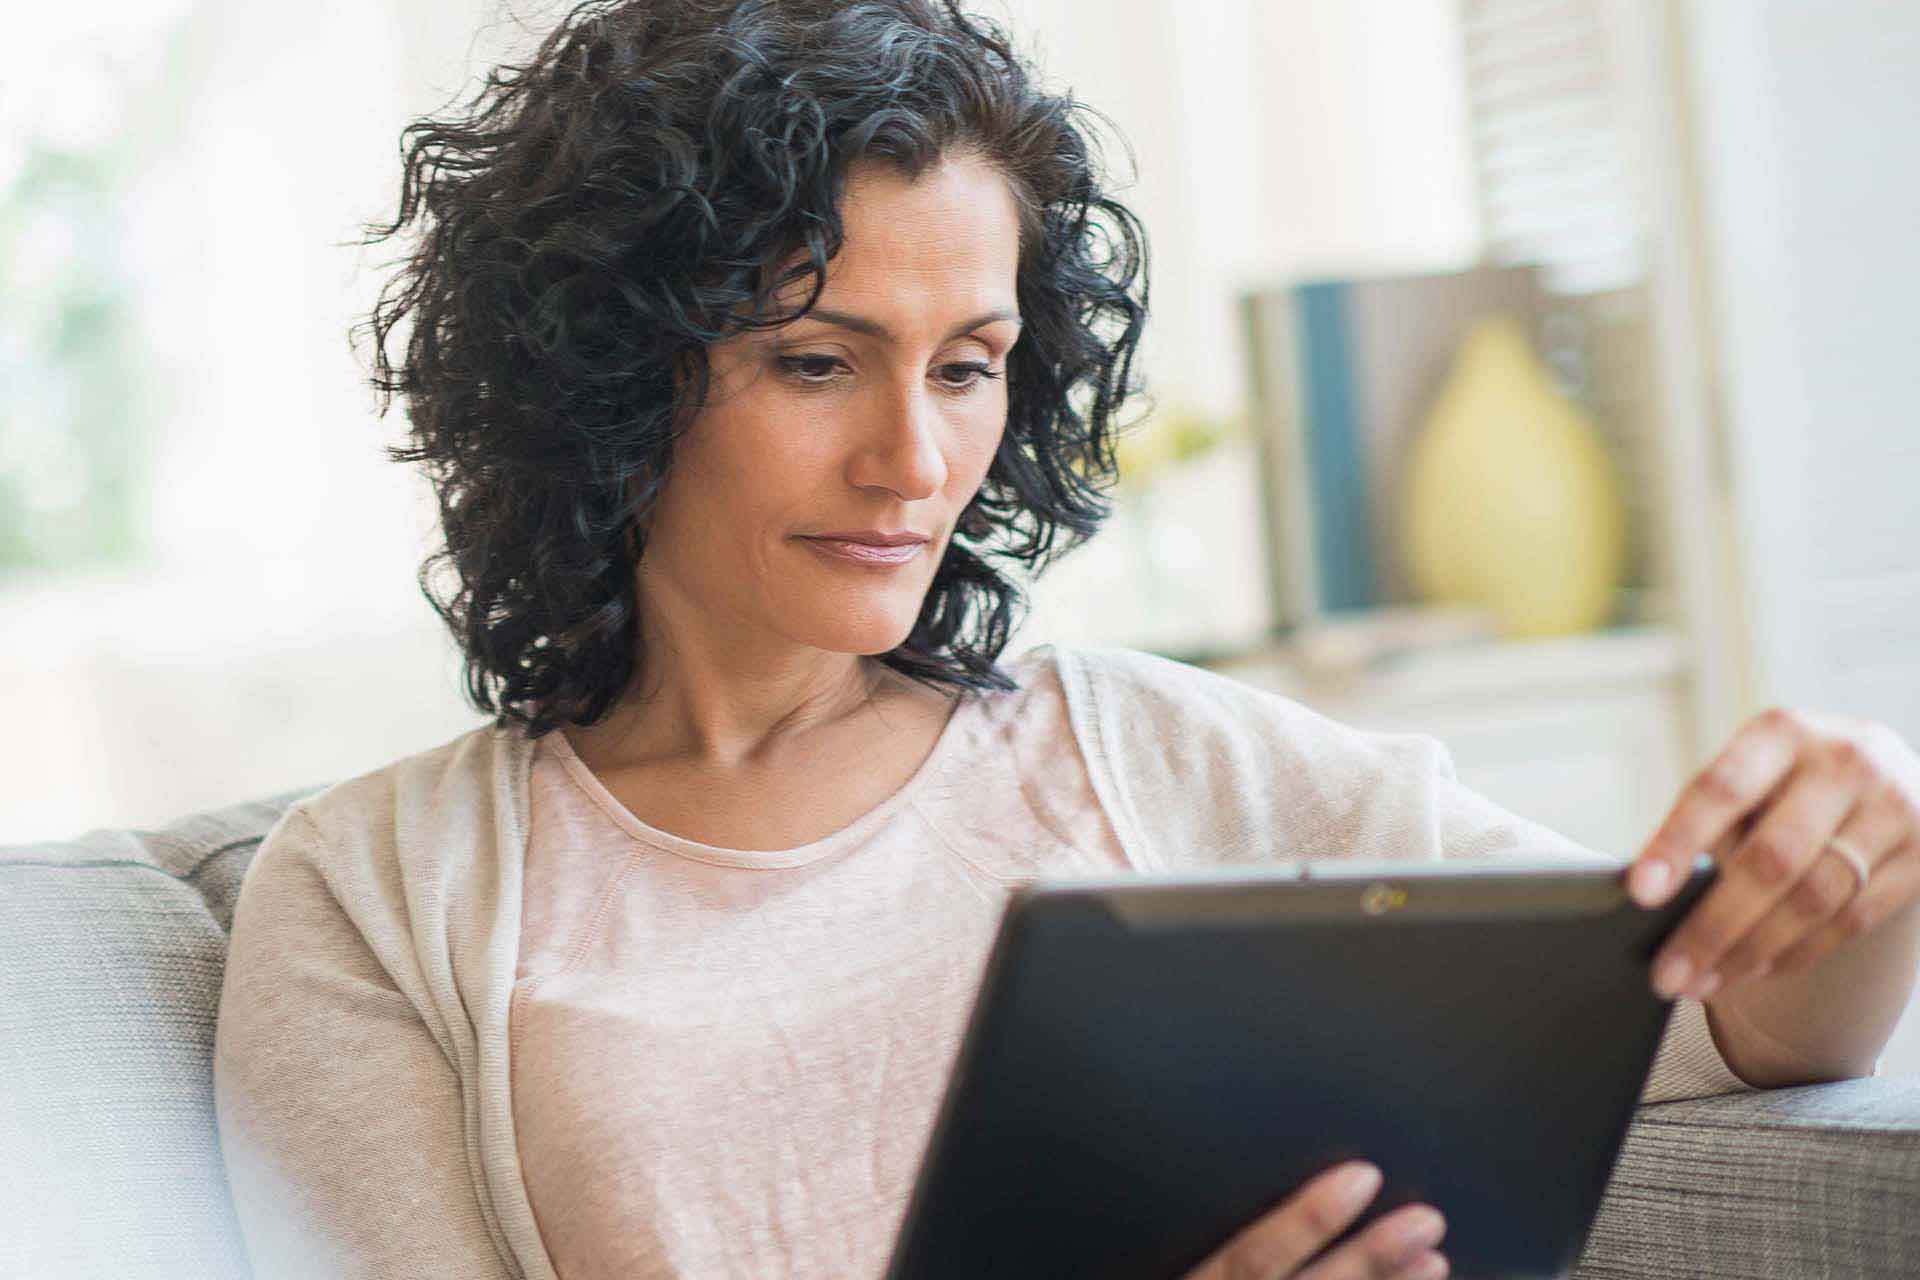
{"x": 1814, "y": 821}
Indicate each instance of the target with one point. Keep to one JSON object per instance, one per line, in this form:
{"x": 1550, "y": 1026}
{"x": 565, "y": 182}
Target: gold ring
{"x": 1853, "y": 858}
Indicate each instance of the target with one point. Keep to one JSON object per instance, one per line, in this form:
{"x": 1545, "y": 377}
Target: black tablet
{"x": 1153, "y": 1062}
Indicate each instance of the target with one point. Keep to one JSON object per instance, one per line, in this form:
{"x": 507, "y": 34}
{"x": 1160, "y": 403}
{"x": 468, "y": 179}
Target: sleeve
{"x": 1688, "y": 1063}
{"x": 340, "y": 1116}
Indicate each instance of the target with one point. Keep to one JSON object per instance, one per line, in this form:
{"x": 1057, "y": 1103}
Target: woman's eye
{"x": 975, "y": 375}
{"x": 804, "y": 367}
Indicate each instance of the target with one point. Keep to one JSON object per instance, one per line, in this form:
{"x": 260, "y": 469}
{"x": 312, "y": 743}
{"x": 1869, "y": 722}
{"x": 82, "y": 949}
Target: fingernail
{"x": 1357, "y": 1185}
{"x": 1650, "y": 882}
{"x": 1422, "y": 1227}
{"x": 1671, "y": 976}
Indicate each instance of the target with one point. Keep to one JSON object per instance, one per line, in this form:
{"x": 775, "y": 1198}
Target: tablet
{"x": 1153, "y": 1062}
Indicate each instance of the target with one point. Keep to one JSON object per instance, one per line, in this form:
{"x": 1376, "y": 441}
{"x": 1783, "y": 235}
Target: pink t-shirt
{"x": 727, "y": 1063}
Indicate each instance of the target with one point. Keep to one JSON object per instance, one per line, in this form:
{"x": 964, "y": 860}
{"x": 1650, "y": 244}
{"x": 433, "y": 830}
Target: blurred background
{"x": 1532, "y": 373}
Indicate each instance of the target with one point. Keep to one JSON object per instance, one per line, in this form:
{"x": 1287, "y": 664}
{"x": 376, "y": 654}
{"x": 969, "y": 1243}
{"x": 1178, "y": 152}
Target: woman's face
{"x": 877, "y": 412}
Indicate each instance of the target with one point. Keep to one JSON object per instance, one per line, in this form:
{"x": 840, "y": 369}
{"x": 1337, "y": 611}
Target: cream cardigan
{"x": 360, "y": 1063}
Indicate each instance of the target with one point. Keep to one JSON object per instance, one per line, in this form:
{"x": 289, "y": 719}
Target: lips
{"x": 868, "y": 545}
{"x": 871, "y": 537}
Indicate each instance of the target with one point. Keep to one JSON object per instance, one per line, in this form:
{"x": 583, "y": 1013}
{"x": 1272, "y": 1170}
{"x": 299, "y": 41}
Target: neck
{"x": 720, "y": 697}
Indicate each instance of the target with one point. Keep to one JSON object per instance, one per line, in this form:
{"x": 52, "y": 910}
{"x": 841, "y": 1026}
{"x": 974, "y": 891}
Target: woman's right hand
{"x": 1278, "y": 1243}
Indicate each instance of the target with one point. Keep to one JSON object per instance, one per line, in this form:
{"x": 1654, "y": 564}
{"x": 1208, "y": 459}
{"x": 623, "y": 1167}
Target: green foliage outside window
{"x": 72, "y": 465}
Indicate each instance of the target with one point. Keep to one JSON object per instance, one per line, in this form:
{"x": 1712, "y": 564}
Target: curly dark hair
{"x": 592, "y": 219}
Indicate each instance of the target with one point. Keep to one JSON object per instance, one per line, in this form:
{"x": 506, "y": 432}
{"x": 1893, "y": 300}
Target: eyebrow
{"x": 874, "y": 329}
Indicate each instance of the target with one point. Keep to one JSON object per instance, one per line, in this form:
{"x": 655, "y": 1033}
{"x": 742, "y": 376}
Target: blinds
{"x": 1545, "y": 117}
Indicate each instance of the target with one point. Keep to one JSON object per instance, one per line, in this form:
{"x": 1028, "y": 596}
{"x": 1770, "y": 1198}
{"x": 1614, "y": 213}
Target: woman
{"x": 748, "y": 340}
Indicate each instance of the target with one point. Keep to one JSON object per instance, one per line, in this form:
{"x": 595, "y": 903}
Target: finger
{"x": 1780, "y": 849}
{"x": 1302, "y": 1225}
{"x": 1896, "y": 880}
{"x": 1814, "y": 900}
{"x": 1761, "y": 753}
{"x": 1385, "y": 1249}
{"x": 1875, "y": 827}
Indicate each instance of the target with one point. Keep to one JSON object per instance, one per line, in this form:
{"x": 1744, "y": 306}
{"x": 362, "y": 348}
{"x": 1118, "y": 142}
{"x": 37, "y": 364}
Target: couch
{"x": 114, "y": 948}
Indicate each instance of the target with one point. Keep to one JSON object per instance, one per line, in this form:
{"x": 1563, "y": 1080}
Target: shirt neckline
{"x": 759, "y": 859}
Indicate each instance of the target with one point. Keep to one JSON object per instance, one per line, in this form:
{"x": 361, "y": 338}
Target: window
{"x": 74, "y": 395}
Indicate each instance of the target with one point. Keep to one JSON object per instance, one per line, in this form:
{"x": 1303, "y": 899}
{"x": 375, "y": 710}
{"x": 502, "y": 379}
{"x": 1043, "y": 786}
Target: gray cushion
{"x": 1812, "y": 1182}
{"x": 112, "y": 948}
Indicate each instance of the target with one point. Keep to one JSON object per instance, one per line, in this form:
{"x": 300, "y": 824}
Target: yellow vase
{"x": 1512, "y": 502}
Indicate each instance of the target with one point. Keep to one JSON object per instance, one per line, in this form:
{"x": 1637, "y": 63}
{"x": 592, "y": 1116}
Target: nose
{"x": 901, "y": 451}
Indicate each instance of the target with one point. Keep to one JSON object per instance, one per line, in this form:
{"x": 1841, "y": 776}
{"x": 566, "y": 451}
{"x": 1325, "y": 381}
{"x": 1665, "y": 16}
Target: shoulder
{"x": 1187, "y": 695}
{"x": 1209, "y": 768}
{"x": 461, "y": 770}
{"x": 359, "y": 833}
{"x": 1136, "y": 679}
{"x": 1133, "y": 698}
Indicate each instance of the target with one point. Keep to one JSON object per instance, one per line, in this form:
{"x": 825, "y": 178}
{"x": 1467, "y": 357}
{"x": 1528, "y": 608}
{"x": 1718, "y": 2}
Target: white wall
{"x": 1811, "y": 190}
{"x": 1811, "y": 199}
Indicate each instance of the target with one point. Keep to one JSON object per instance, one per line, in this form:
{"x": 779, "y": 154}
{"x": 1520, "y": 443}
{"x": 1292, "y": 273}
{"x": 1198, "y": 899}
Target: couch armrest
{"x": 1819, "y": 1180}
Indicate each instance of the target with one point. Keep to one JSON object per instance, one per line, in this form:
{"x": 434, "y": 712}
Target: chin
{"x": 866, "y": 641}
{"x": 842, "y": 616}
{"x": 863, "y": 631}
